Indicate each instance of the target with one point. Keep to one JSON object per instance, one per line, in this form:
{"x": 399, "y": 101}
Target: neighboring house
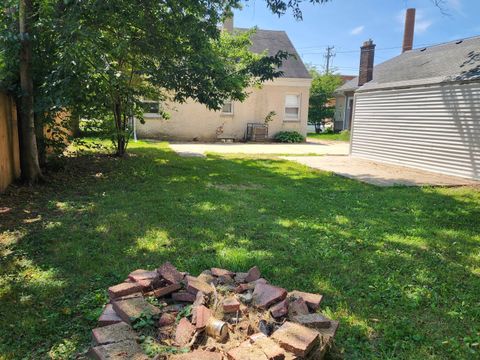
{"x": 287, "y": 96}
{"x": 420, "y": 109}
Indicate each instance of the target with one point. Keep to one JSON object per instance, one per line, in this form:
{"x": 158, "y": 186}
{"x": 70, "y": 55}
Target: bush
{"x": 289, "y": 137}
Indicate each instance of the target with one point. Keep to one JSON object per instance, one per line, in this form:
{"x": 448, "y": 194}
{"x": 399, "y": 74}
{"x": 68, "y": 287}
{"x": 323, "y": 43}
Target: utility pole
{"x": 329, "y": 55}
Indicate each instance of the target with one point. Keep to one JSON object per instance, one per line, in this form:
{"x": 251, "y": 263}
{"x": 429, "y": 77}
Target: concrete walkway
{"x": 317, "y": 148}
{"x": 379, "y": 174}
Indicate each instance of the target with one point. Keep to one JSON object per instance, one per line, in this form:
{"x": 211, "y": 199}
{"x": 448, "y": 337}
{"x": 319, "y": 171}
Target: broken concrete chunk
{"x": 195, "y": 285}
{"x": 123, "y": 289}
{"x": 125, "y": 350}
{"x": 280, "y": 309}
{"x": 253, "y": 274}
{"x": 313, "y": 300}
{"x": 314, "y": 321}
{"x": 296, "y": 338}
{"x": 265, "y": 295}
{"x": 131, "y": 309}
{"x": 109, "y": 316}
{"x": 112, "y": 334}
{"x": 184, "y": 332}
{"x": 170, "y": 273}
{"x": 166, "y": 290}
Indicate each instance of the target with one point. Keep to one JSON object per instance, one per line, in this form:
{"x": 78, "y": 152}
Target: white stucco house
{"x": 420, "y": 109}
{"x": 287, "y": 96}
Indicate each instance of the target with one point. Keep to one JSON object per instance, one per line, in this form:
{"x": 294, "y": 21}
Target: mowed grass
{"x": 342, "y": 136}
{"x": 399, "y": 267}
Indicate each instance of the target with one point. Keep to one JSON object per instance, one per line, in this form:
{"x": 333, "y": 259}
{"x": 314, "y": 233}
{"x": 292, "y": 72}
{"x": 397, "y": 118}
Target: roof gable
{"x": 274, "y": 41}
{"x": 453, "y": 61}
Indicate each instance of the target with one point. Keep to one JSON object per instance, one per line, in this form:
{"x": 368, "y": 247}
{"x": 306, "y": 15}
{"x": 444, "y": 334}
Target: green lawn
{"x": 342, "y": 136}
{"x": 399, "y": 267}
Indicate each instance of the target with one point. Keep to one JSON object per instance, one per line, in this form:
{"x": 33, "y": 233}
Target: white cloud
{"x": 421, "y": 23}
{"x": 358, "y": 30}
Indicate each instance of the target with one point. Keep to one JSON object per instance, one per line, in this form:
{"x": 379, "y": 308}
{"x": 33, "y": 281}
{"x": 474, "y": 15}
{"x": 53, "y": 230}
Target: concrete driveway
{"x": 309, "y": 148}
{"x": 379, "y": 174}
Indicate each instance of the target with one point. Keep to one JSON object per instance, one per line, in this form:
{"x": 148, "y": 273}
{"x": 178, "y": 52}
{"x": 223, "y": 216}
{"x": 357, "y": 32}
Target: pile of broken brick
{"x": 234, "y": 316}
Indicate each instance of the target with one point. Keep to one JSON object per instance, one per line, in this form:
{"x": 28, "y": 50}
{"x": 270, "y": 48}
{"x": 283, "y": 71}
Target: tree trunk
{"x": 31, "y": 172}
{"x": 120, "y": 134}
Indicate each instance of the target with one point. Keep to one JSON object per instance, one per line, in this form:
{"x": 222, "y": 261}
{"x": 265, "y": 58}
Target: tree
{"x": 29, "y": 155}
{"x": 321, "y": 95}
{"x": 121, "y": 52}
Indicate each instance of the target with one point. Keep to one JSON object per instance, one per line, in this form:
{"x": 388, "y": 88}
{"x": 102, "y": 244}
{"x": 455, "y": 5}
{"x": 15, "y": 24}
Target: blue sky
{"x": 345, "y": 24}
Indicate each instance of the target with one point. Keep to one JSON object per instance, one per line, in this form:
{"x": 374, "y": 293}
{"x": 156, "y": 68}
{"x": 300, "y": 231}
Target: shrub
{"x": 289, "y": 137}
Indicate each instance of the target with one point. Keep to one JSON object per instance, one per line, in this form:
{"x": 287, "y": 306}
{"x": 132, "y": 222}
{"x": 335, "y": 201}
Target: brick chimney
{"x": 409, "y": 30}
{"x": 367, "y": 57}
{"x": 228, "y": 24}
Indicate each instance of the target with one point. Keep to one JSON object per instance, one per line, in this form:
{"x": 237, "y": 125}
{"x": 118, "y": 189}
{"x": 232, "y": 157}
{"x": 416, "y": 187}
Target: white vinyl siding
{"x": 434, "y": 128}
{"x": 292, "y": 107}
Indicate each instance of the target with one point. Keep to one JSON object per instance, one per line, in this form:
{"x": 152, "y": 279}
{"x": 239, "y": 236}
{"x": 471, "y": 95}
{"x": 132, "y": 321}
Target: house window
{"x": 151, "y": 108}
{"x": 227, "y": 108}
{"x": 292, "y": 107}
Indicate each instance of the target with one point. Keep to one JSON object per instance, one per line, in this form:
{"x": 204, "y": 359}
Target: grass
{"x": 342, "y": 136}
{"x": 399, "y": 267}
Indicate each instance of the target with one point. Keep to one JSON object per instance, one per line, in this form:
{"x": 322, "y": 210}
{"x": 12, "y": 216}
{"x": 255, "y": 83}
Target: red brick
{"x": 166, "y": 319}
{"x": 222, "y": 272}
{"x": 231, "y": 305}
{"x": 131, "y": 309}
{"x": 202, "y": 315}
{"x": 265, "y": 295}
{"x": 112, "y": 333}
{"x": 183, "y": 296}
{"x": 109, "y": 316}
{"x": 200, "y": 299}
{"x": 328, "y": 333}
{"x": 123, "y": 289}
{"x": 297, "y": 307}
{"x": 296, "y": 338}
{"x": 253, "y": 274}
{"x": 280, "y": 309}
{"x": 170, "y": 273}
{"x": 246, "y": 351}
{"x": 125, "y": 350}
{"x": 314, "y": 321}
{"x": 141, "y": 274}
{"x": 240, "y": 277}
{"x": 166, "y": 290}
{"x": 242, "y": 288}
{"x": 313, "y": 300}
{"x": 271, "y": 350}
{"x": 198, "y": 355}
{"x": 195, "y": 285}
{"x": 184, "y": 332}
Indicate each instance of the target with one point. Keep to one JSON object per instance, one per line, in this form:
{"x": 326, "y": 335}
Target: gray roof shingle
{"x": 453, "y": 61}
{"x": 274, "y": 41}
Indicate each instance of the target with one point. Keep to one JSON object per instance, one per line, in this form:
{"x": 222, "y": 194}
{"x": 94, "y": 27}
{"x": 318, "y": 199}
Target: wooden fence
{"x": 9, "y": 149}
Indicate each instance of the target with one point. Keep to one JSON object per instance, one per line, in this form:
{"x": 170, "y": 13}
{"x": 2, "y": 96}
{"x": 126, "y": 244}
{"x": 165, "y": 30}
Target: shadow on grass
{"x": 399, "y": 267}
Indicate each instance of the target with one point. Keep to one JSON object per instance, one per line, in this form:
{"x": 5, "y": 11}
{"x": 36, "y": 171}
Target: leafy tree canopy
{"x": 321, "y": 94}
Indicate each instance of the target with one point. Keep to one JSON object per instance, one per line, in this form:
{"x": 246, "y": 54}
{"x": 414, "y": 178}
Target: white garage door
{"x": 434, "y": 128}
